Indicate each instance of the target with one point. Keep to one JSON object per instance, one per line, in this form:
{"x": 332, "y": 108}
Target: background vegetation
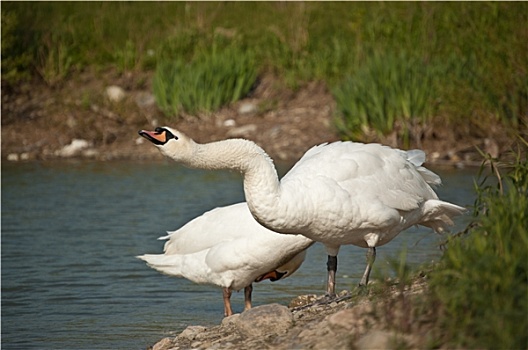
{"x": 390, "y": 66}
{"x": 481, "y": 284}
{"x": 477, "y": 294}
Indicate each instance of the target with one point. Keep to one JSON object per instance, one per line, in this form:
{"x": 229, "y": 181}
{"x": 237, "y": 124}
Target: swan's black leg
{"x": 331, "y": 265}
{"x": 371, "y": 257}
{"x": 330, "y": 296}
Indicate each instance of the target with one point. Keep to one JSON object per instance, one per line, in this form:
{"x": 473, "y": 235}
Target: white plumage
{"x": 338, "y": 193}
{"x": 226, "y": 247}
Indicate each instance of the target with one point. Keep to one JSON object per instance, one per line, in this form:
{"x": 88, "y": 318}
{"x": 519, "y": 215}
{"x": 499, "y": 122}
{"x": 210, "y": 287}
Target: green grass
{"x": 208, "y": 82}
{"x": 482, "y": 280}
{"x": 477, "y": 294}
{"x": 475, "y": 53}
{"x": 390, "y": 91}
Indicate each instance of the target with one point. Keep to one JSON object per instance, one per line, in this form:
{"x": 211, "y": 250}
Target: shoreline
{"x": 80, "y": 120}
{"x": 358, "y": 322}
{"x": 137, "y": 150}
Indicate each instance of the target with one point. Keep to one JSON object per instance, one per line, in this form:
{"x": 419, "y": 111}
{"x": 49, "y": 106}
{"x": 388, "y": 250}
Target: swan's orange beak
{"x": 157, "y": 138}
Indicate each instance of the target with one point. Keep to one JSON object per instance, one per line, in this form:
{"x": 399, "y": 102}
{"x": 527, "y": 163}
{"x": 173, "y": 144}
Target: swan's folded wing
{"x": 190, "y": 266}
{"x": 213, "y": 227}
{"x": 256, "y": 255}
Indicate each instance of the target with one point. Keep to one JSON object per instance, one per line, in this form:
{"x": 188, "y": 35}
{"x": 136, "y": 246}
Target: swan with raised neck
{"x": 338, "y": 193}
{"x": 261, "y": 183}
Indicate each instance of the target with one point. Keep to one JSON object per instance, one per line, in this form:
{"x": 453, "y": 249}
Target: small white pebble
{"x": 229, "y": 123}
{"x": 115, "y": 93}
{"x": 12, "y": 157}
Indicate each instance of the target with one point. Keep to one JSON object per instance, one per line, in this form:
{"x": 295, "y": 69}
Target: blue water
{"x": 71, "y": 231}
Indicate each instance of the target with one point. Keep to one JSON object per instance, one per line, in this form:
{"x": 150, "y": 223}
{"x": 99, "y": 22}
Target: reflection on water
{"x": 71, "y": 231}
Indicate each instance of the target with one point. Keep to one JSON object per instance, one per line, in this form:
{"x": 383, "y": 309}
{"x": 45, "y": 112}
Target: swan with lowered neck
{"x": 339, "y": 193}
{"x": 226, "y": 247}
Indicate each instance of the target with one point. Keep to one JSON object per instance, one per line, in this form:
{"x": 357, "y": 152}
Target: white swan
{"x": 338, "y": 193}
{"x": 228, "y": 248}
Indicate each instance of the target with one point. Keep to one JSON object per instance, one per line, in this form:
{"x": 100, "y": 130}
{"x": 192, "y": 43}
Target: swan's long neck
{"x": 261, "y": 182}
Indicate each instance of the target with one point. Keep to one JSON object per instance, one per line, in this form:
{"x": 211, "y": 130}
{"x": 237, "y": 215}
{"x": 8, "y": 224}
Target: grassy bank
{"x": 481, "y": 284}
{"x": 477, "y": 296}
{"x": 391, "y": 66}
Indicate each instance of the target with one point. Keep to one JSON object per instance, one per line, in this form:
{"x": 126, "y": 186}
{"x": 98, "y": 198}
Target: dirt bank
{"x": 39, "y": 121}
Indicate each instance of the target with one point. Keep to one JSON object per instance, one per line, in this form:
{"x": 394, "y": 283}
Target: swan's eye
{"x": 169, "y": 135}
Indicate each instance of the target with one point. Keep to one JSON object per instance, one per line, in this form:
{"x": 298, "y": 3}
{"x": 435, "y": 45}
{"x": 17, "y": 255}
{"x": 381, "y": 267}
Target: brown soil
{"x": 38, "y": 120}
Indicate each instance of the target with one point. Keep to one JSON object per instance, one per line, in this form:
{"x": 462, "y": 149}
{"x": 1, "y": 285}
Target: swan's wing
{"x": 245, "y": 259}
{"x": 417, "y": 158}
{"x": 213, "y": 227}
{"x": 356, "y": 184}
{"x": 234, "y": 264}
{"x": 309, "y": 154}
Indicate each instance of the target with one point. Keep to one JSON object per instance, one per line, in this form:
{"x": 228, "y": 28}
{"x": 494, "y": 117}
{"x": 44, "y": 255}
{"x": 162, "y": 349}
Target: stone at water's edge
{"x": 265, "y": 319}
{"x": 162, "y": 344}
{"x": 191, "y": 332}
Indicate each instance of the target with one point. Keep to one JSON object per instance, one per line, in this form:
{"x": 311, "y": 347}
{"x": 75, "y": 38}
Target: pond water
{"x": 71, "y": 231}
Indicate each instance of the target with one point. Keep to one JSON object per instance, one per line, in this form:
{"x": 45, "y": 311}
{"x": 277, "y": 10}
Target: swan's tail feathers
{"x": 417, "y": 158}
{"x": 169, "y": 234}
{"x": 167, "y": 264}
{"x": 429, "y": 177}
{"x": 438, "y": 214}
{"x": 168, "y": 240}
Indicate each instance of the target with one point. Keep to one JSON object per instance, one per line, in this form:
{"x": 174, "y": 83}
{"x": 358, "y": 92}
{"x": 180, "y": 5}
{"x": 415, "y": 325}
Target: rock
{"x": 352, "y": 323}
{"x": 12, "y": 157}
{"x": 71, "y": 122}
{"x": 247, "y": 108}
{"x": 145, "y": 100}
{"x": 433, "y": 156}
{"x": 242, "y": 131}
{"x": 230, "y": 320}
{"x": 302, "y": 300}
{"x": 115, "y": 93}
{"x": 229, "y": 123}
{"x": 491, "y": 147}
{"x": 90, "y": 153}
{"x": 377, "y": 339}
{"x": 355, "y": 320}
{"x": 164, "y": 343}
{"x": 265, "y": 320}
{"x": 191, "y": 332}
{"x": 74, "y": 148}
